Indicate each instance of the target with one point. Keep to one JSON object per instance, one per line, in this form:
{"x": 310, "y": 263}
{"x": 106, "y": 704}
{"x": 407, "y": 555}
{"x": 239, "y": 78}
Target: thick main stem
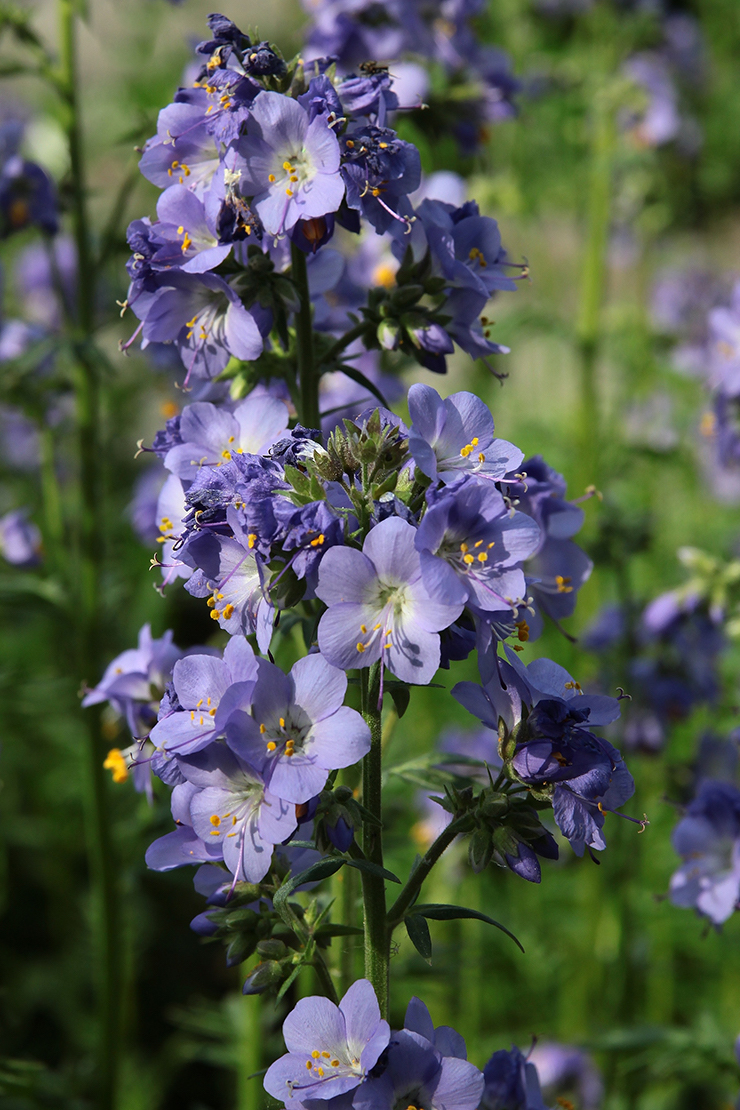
{"x": 377, "y": 936}
{"x": 308, "y": 408}
{"x": 106, "y": 918}
{"x": 593, "y": 279}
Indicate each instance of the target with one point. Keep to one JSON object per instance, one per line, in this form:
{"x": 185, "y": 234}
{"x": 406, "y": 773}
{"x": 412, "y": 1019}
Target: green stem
{"x": 246, "y": 1016}
{"x": 377, "y": 936}
{"x": 106, "y": 915}
{"x": 53, "y": 519}
{"x": 308, "y": 408}
{"x": 349, "y": 917}
{"x": 421, "y": 871}
{"x": 593, "y": 280}
{"x": 341, "y": 344}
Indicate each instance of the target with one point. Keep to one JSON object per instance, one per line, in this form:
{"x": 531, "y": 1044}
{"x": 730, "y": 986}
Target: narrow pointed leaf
{"x": 444, "y": 912}
{"x": 372, "y": 869}
{"x": 419, "y": 935}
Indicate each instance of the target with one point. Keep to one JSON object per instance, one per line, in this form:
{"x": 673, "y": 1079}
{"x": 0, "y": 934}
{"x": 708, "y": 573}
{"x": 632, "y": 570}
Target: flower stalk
{"x": 308, "y": 408}
{"x": 377, "y": 937}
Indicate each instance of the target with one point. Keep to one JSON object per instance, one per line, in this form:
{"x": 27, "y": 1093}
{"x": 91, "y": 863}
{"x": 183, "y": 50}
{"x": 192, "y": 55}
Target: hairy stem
{"x": 593, "y": 280}
{"x": 106, "y": 916}
{"x": 421, "y": 871}
{"x": 308, "y": 407}
{"x": 377, "y": 936}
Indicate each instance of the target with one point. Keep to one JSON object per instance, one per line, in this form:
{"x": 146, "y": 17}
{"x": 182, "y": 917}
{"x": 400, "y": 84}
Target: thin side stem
{"x": 308, "y": 408}
{"x": 377, "y": 936}
{"x": 341, "y": 344}
{"x": 106, "y": 915}
{"x": 421, "y": 871}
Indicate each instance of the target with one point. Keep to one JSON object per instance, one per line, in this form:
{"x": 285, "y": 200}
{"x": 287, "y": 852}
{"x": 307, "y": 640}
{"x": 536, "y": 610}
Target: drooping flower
{"x": 288, "y": 163}
{"x": 300, "y": 728}
{"x": 380, "y": 606}
{"x": 511, "y": 1083}
{"x": 453, "y": 436}
{"x": 331, "y": 1049}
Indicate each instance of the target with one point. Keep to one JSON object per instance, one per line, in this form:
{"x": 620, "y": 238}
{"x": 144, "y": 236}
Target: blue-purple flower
{"x": 299, "y": 729}
{"x": 288, "y": 163}
{"x": 417, "y": 1073}
{"x": 455, "y": 436}
{"x": 210, "y": 434}
{"x": 380, "y": 607}
{"x": 511, "y": 1083}
{"x": 20, "y": 539}
{"x": 708, "y": 839}
{"x": 331, "y": 1049}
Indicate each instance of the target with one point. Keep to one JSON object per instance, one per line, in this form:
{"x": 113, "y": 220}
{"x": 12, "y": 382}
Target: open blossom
{"x": 208, "y": 691}
{"x": 211, "y": 434}
{"x": 418, "y": 1073}
{"x": 287, "y": 163}
{"x": 453, "y": 436}
{"x": 299, "y": 729}
{"x": 469, "y": 533}
{"x": 183, "y": 152}
{"x": 380, "y": 606}
{"x": 331, "y": 1049}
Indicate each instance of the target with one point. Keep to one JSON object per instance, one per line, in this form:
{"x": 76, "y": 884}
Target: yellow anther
{"x": 252, "y": 539}
{"x": 233, "y": 820}
{"x": 263, "y": 729}
{"x": 309, "y": 1065}
{"x": 199, "y": 703}
{"x": 271, "y": 745}
{"x": 468, "y": 559}
{"x": 192, "y": 714}
{"x": 320, "y": 1072}
{"x": 318, "y": 541}
{"x": 481, "y": 457}
{"x": 474, "y": 441}
{"x": 115, "y": 763}
{"x": 215, "y": 820}
{"x": 491, "y": 544}
{"x": 212, "y": 712}
{"x": 376, "y": 627}
{"x": 482, "y": 557}
{"x": 522, "y": 630}
{"x": 187, "y": 242}
{"x": 335, "y": 1063}
{"x": 384, "y": 275}
{"x": 293, "y": 177}
{"x": 287, "y": 167}
{"x": 215, "y": 832}
{"x": 271, "y": 179}
{"x": 465, "y": 451}
{"x": 228, "y": 611}
{"x": 326, "y": 1055}
{"x": 463, "y": 547}
{"x": 282, "y": 722}
{"x": 563, "y": 584}
{"x": 350, "y": 144}
{"x": 225, "y": 454}
{"x": 477, "y": 256}
{"x": 363, "y": 629}
{"x": 361, "y": 648}
{"x": 215, "y": 614}
{"x": 316, "y": 1054}
{"x": 478, "y": 543}
{"x": 289, "y": 192}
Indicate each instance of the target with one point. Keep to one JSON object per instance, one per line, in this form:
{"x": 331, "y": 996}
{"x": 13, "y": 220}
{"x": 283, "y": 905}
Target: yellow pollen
{"x": 215, "y": 614}
{"x": 326, "y": 1055}
{"x": 463, "y": 547}
{"x": 320, "y": 1072}
{"x": 315, "y": 1054}
{"x": 335, "y": 1063}
{"x": 199, "y": 703}
{"x": 263, "y": 729}
{"x": 563, "y": 584}
{"x": 228, "y": 611}
{"x": 318, "y": 541}
{"x": 478, "y": 543}
{"x": 309, "y": 1065}
{"x": 271, "y": 178}
{"x": 477, "y": 256}
{"x": 212, "y": 712}
{"x": 289, "y": 192}
{"x": 115, "y": 763}
{"x": 384, "y": 275}
{"x": 482, "y": 558}
{"x": 271, "y": 745}
{"x": 293, "y": 177}
{"x": 225, "y": 454}
{"x": 481, "y": 457}
{"x": 468, "y": 559}
{"x": 363, "y": 629}
{"x": 522, "y": 630}
{"x": 282, "y": 722}
{"x": 215, "y": 820}
{"x": 376, "y": 627}
{"x": 187, "y": 242}
{"x": 252, "y": 538}
{"x": 180, "y": 230}
{"x": 474, "y": 441}
{"x": 361, "y": 648}
{"x": 287, "y": 167}
{"x": 350, "y": 145}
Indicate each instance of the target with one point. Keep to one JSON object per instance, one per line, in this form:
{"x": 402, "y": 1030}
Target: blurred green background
{"x": 610, "y": 964}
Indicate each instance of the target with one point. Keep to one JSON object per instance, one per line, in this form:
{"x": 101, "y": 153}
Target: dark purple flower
{"x": 417, "y": 1073}
{"x": 511, "y": 1083}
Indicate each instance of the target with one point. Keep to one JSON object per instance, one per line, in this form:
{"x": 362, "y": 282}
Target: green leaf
{"x": 401, "y": 695}
{"x": 291, "y": 978}
{"x": 372, "y": 869}
{"x": 443, "y": 912}
{"x": 338, "y": 931}
{"x": 314, "y": 874}
{"x": 419, "y": 935}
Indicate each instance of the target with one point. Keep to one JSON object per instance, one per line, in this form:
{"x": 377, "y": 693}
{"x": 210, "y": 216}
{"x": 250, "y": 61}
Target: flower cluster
{"x": 259, "y": 156}
{"x": 464, "y": 86}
